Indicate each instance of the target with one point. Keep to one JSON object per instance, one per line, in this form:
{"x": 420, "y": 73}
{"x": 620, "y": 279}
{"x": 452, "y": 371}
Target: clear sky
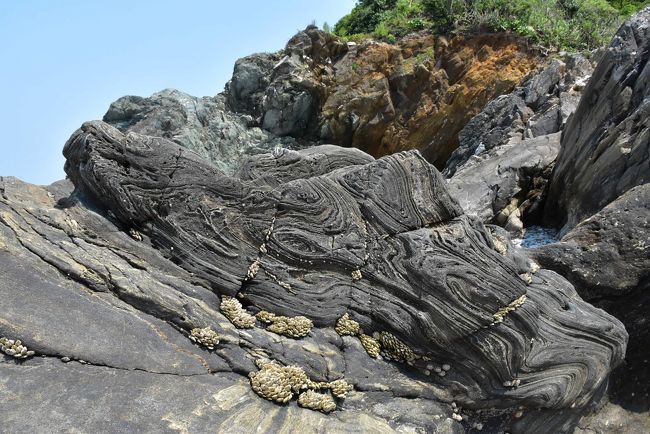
{"x": 63, "y": 62}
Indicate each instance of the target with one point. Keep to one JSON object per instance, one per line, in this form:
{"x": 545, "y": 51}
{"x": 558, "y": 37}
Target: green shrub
{"x": 560, "y": 24}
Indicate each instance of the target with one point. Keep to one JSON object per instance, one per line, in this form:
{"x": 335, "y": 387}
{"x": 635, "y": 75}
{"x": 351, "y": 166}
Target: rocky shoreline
{"x": 326, "y": 247}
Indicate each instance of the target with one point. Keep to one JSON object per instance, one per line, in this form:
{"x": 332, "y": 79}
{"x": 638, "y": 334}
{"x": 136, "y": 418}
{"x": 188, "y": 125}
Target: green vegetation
{"x": 558, "y": 24}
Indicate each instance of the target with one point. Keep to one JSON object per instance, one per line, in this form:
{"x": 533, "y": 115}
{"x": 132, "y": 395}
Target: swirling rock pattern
{"x": 431, "y": 276}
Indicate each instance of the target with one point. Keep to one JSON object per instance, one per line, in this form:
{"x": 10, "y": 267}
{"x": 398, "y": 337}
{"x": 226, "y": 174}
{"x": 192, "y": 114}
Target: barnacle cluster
{"x": 14, "y": 348}
{"x": 252, "y": 270}
{"x": 205, "y": 336}
{"x": 317, "y": 401}
{"x": 356, "y": 275}
{"x": 347, "y": 326}
{"x": 265, "y": 316}
{"x": 280, "y": 384}
{"x": 234, "y": 311}
{"x": 135, "y": 234}
{"x": 371, "y": 345}
{"x": 394, "y": 349}
{"x": 272, "y": 382}
{"x": 340, "y": 388}
{"x": 501, "y": 313}
{"x": 526, "y": 277}
{"x": 382, "y": 343}
{"x": 294, "y": 327}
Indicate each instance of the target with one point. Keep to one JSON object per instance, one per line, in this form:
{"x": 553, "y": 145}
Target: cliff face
{"x": 606, "y": 145}
{"x": 378, "y": 97}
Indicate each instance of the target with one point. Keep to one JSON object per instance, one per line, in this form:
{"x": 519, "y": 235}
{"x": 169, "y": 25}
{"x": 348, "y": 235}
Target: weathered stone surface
{"x": 429, "y": 275}
{"x": 606, "y": 144}
{"x": 490, "y": 182}
{"x": 607, "y": 258}
{"x": 614, "y": 419}
{"x": 506, "y": 152}
{"x": 204, "y": 125}
{"x": 381, "y": 98}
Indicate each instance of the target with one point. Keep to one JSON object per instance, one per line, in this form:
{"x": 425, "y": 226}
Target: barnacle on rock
{"x": 135, "y": 234}
{"x": 265, "y": 316}
{"x": 526, "y": 277}
{"x": 318, "y": 385}
{"x": 356, "y": 275}
{"x": 371, "y": 345}
{"x": 340, "y": 388}
{"x": 500, "y": 244}
{"x": 279, "y": 384}
{"x": 316, "y": 401}
{"x": 501, "y": 313}
{"x": 233, "y": 310}
{"x": 270, "y": 383}
{"x": 294, "y": 327}
{"x": 15, "y": 348}
{"x": 252, "y": 270}
{"x": 394, "y": 349}
{"x": 205, "y": 336}
{"x": 346, "y": 326}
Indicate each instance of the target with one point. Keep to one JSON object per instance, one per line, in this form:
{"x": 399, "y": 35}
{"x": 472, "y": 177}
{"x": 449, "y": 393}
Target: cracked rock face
{"x": 606, "y": 148}
{"x": 607, "y": 258}
{"x": 204, "y": 125}
{"x": 430, "y": 276}
{"x": 506, "y": 153}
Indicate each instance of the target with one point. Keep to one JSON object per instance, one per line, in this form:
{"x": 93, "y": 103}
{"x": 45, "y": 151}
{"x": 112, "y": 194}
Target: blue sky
{"x": 64, "y": 62}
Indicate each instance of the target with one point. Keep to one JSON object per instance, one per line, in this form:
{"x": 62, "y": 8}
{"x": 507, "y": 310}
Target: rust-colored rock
{"x": 379, "y": 97}
{"x": 419, "y": 93}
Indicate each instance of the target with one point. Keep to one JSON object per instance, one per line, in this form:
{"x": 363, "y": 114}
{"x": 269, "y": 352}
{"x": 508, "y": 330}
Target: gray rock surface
{"x": 507, "y": 151}
{"x": 614, "y": 419}
{"x": 146, "y": 244}
{"x": 606, "y": 144}
{"x": 286, "y": 90}
{"x": 607, "y": 258}
{"x": 204, "y": 125}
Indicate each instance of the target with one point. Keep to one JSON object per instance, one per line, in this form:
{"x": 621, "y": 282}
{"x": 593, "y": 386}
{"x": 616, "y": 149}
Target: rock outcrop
{"x": 208, "y": 267}
{"x": 607, "y": 258}
{"x": 379, "y": 97}
{"x": 506, "y": 152}
{"x": 600, "y": 196}
{"x": 154, "y": 239}
{"x": 204, "y": 125}
{"x": 606, "y": 145}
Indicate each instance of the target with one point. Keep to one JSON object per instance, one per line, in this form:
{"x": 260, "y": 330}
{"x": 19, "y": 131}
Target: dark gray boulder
{"x": 606, "y": 144}
{"x": 250, "y": 78}
{"x": 285, "y": 91}
{"x": 394, "y": 223}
